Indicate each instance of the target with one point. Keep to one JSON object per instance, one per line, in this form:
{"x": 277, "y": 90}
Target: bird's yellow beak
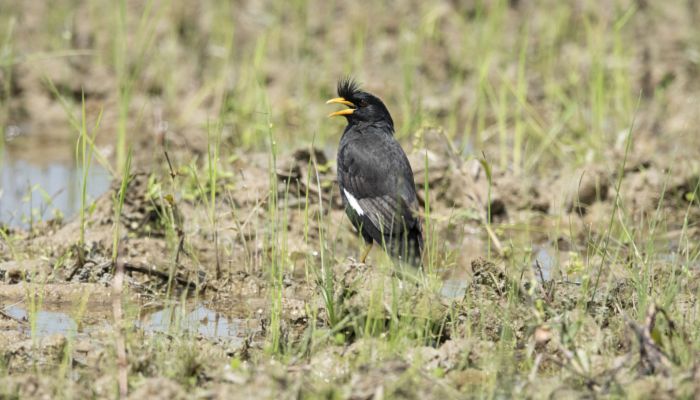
{"x": 340, "y": 100}
{"x": 346, "y": 111}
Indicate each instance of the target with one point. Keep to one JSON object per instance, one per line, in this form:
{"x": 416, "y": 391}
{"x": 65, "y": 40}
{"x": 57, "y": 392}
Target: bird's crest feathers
{"x": 347, "y": 87}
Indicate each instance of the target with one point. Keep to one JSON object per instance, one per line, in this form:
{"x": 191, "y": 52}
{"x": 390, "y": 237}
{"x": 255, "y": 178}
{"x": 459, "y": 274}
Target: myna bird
{"x": 375, "y": 177}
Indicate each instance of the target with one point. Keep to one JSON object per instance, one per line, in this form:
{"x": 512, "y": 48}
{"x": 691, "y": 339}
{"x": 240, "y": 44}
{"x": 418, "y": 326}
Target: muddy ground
{"x": 574, "y": 277}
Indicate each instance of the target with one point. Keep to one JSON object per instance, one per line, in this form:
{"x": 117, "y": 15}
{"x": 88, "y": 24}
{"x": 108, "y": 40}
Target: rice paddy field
{"x": 171, "y": 225}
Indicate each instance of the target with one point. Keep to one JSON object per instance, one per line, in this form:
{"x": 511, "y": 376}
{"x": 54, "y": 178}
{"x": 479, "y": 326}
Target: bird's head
{"x": 363, "y": 106}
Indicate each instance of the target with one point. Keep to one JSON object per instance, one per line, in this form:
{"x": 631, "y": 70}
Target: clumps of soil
{"x": 592, "y": 187}
{"x": 395, "y": 379}
{"x": 21, "y": 355}
{"x": 550, "y": 320}
{"x": 36, "y": 386}
{"x": 12, "y": 272}
{"x": 159, "y": 388}
{"x": 35, "y": 86}
{"x": 646, "y": 186}
{"x": 143, "y": 214}
{"x": 150, "y": 232}
{"x": 466, "y": 186}
{"x": 456, "y": 185}
{"x": 487, "y": 276}
{"x": 307, "y": 172}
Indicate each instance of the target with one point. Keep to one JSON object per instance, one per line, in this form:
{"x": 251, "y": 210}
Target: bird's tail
{"x": 408, "y": 248}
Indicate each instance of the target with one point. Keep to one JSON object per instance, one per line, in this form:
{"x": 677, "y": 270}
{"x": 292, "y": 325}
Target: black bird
{"x": 375, "y": 177}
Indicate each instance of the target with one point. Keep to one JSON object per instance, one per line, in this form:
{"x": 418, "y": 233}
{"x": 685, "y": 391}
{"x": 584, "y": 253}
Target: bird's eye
{"x": 363, "y": 103}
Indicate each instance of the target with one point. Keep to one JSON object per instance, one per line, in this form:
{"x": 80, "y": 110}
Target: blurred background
{"x": 535, "y": 85}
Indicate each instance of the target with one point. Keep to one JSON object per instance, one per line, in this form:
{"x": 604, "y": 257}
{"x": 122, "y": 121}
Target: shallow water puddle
{"x": 454, "y": 288}
{"x": 544, "y": 263}
{"x": 35, "y": 186}
{"x": 46, "y": 322}
{"x": 200, "y": 320}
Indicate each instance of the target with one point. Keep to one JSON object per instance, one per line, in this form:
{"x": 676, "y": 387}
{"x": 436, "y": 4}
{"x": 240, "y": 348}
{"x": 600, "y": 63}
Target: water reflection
{"x": 47, "y": 322}
{"x": 201, "y": 320}
{"x": 35, "y": 187}
{"x": 454, "y": 288}
{"x": 544, "y": 263}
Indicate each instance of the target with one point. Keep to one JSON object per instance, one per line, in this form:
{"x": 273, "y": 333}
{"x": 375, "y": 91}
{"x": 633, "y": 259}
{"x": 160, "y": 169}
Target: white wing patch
{"x": 354, "y": 203}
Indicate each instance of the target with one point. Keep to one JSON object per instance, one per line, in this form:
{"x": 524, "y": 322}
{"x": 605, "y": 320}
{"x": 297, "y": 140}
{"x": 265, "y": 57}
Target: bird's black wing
{"x": 377, "y": 184}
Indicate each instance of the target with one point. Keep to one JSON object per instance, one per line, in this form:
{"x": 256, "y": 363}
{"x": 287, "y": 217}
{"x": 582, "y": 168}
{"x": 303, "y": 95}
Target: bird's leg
{"x": 363, "y": 257}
